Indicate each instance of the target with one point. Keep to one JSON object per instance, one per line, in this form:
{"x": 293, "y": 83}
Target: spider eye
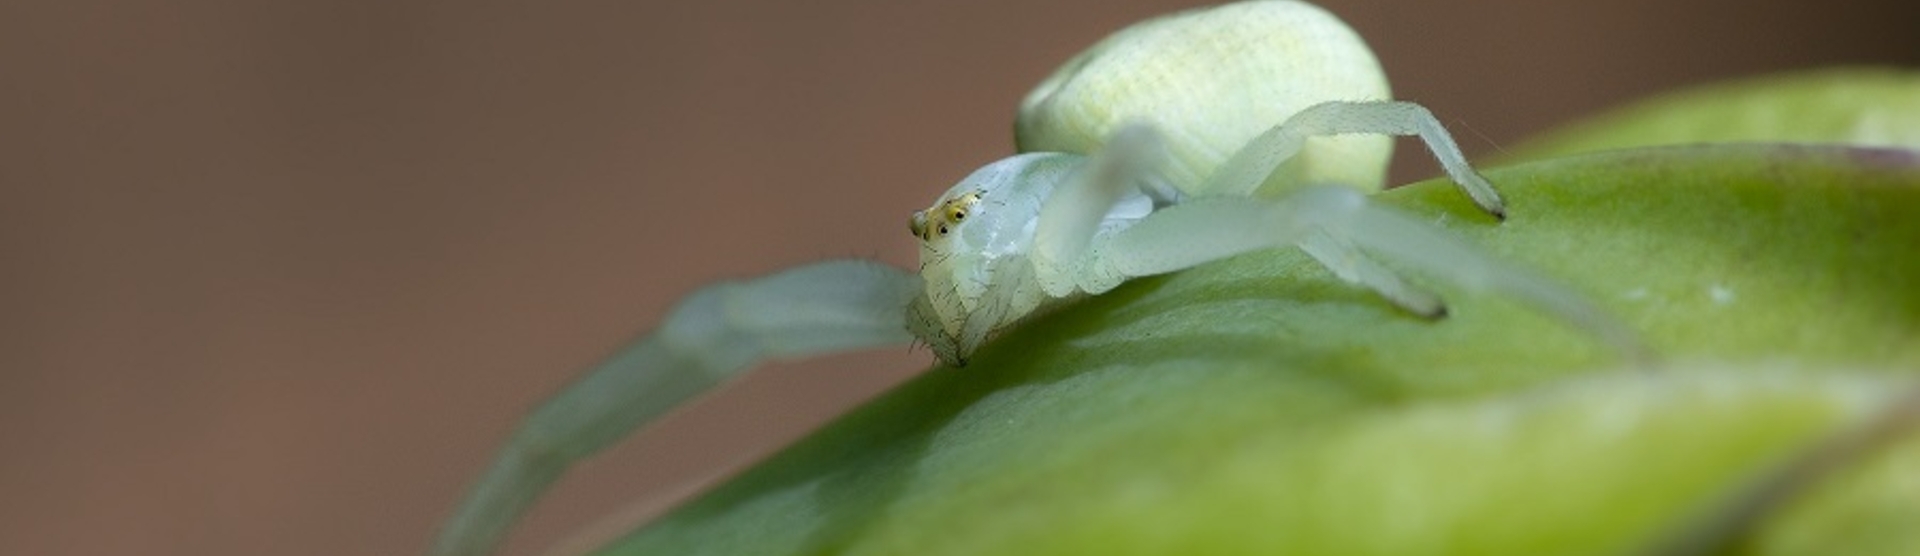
{"x": 918, "y": 223}
{"x": 957, "y": 215}
{"x": 943, "y": 229}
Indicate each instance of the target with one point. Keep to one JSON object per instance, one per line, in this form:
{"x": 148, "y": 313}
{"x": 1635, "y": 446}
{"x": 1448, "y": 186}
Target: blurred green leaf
{"x": 1856, "y": 106}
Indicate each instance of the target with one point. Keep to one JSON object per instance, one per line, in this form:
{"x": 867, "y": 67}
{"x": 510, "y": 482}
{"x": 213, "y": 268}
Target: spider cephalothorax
{"x": 940, "y": 219}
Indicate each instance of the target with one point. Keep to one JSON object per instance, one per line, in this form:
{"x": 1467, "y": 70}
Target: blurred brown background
{"x": 276, "y": 277}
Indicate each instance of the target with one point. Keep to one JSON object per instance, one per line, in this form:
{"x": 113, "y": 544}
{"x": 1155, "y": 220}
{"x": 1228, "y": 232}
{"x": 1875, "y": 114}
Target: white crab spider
{"x": 1213, "y": 134}
{"x": 1041, "y": 228}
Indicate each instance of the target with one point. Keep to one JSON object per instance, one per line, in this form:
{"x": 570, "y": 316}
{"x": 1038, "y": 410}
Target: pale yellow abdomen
{"x": 1211, "y": 80}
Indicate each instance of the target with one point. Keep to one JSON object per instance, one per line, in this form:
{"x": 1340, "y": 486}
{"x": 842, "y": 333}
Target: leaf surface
{"x": 1257, "y": 405}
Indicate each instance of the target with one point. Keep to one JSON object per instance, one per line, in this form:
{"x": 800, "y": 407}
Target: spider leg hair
{"x": 1206, "y": 229}
{"x": 710, "y": 337}
{"x": 1249, "y": 167}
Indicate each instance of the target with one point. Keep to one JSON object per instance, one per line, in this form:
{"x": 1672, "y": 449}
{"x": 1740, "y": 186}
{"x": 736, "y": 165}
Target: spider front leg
{"x": 1207, "y": 229}
{"x": 1067, "y": 256}
{"x": 710, "y": 337}
{"x": 1248, "y": 168}
{"x": 1337, "y": 225}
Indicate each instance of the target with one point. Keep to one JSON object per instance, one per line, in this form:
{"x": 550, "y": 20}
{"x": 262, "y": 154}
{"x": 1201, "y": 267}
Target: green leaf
{"x": 1259, "y": 406}
{"x": 1856, "y": 106}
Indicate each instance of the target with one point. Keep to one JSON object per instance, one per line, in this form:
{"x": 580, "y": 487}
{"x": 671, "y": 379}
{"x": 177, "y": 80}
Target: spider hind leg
{"x": 1356, "y": 267}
